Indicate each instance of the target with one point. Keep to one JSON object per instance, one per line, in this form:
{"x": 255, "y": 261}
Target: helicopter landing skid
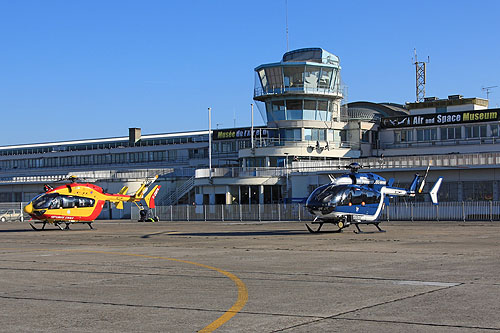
{"x": 35, "y": 228}
{"x": 359, "y": 231}
{"x": 319, "y": 229}
{"x": 58, "y": 224}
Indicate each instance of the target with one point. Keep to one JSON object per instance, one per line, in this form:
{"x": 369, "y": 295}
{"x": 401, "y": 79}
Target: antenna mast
{"x": 488, "y": 89}
{"x": 286, "y": 20}
{"x": 420, "y": 71}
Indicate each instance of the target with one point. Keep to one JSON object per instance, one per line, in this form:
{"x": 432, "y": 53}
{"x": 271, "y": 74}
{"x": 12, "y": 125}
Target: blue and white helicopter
{"x": 359, "y": 198}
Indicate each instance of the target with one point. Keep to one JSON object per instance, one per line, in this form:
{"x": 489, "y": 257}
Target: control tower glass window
{"x": 278, "y": 111}
{"x": 294, "y": 109}
{"x": 314, "y": 134}
{"x": 271, "y": 78}
{"x": 311, "y": 77}
{"x": 263, "y": 78}
{"x": 292, "y": 134}
{"x": 293, "y": 76}
{"x": 326, "y": 77}
{"x": 309, "y": 109}
{"x": 322, "y": 111}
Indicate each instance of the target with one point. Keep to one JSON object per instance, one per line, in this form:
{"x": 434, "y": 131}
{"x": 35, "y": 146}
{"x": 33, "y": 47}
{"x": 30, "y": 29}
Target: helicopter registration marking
{"x": 62, "y": 217}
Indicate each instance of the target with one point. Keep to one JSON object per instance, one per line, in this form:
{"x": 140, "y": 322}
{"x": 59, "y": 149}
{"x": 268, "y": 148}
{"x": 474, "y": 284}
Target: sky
{"x": 85, "y": 69}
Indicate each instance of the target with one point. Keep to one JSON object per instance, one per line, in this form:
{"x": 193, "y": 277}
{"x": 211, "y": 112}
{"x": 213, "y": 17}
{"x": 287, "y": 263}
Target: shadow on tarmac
{"x": 230, "y": 233}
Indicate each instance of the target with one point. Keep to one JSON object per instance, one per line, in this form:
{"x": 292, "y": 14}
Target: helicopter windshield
{"x": 47, "y": 201}
{"x": 328, "y": 193}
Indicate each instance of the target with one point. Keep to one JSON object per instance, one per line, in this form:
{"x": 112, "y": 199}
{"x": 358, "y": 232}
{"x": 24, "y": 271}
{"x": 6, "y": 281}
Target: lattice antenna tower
{"x": 420, "y": 70}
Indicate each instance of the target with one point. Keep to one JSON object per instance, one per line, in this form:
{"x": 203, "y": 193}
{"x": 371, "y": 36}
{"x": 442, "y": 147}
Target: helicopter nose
{"x": 28, "y": 209}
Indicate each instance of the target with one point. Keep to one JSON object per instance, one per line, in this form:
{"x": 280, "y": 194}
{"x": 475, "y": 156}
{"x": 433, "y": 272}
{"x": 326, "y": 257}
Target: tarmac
{"x": 127, "y": 276}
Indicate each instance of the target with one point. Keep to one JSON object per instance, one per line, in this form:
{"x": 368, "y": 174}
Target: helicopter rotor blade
{"x": 421, "y": 188}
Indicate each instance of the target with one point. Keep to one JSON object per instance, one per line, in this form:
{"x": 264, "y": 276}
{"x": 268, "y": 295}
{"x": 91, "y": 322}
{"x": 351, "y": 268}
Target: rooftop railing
{"x": 373, "y": 163}
{"x": 336, "y": 90}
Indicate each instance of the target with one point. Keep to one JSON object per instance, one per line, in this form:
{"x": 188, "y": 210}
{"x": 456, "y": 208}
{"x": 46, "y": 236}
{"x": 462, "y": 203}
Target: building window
{"x": 294, "y": 76}
{"x": 314, "y": 134}
{"x": 448, "y": 191}
{"x": 292, "y": 134}
{"x": 312, "y": 77}
{"x": 365, "y": 136}
{"x": 309, "y": 104}
{"x": 172, "y": 155}
{"x": 406, "y": 135}
{"x": 325, "y": 78}
{"x": 427, "y": 134}
{"x": 451, "y": 133}
{"x": 494, "y": 130}
{"x": 475, "y": 131}
{"x": 478, "y": 190}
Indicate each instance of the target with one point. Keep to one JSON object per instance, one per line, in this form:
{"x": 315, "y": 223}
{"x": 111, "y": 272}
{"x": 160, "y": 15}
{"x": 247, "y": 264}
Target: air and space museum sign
{"x": 449, "y": 118}
{"x": 239, "y": 133}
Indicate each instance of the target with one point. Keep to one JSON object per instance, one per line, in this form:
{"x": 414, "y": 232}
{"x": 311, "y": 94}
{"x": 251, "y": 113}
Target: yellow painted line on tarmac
{"x": 230, "y": 313}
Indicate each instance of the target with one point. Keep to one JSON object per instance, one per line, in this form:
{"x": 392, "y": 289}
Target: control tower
{"x": 299, "y": 98}
{"x": 303, "y": 90}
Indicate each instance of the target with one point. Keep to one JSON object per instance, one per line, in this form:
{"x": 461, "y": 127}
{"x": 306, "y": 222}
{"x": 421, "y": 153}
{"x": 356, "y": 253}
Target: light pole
{"x": 286, "y": 171}
{"x": 210, "y": 143}
{"x": 251, "y": 130}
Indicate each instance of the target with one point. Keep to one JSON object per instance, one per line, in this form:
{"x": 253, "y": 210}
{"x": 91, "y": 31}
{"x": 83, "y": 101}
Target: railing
{"x": 398, "y": 162}
{"x": 301, "y": 89}
{"x": 419, "y": 211}
{"x": 313, "y": 144}
{"x": 173, "y": 197}
{"x": 449, "y": 160}
{"x": 431, "y": 143}
{"x": 467, "y": 211}
{"x": 240, "y": 172}
{"x": 95, "y": 175}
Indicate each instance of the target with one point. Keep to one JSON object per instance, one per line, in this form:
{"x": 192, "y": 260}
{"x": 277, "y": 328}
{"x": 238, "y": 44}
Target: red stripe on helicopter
{"x": 152, "y": 198}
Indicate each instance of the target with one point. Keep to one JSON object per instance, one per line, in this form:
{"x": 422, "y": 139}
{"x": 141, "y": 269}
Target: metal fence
{"x": 12, "y": 212}
{"x": 401, "y": 211}
{"x": 410, "y": 211}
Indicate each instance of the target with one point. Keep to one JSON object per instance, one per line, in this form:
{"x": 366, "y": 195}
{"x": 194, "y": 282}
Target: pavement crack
{"x": 336, "y": 316}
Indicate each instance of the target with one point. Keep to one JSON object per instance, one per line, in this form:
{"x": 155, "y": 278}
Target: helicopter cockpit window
{"x": 68, "y": 202}
{"x": 55, "y": 201}
{"x": 322, "y": 193}
{"x": 357, "y": 197}
{"x": 76, "y": 202}
{"x": 372, "y": 197}
{"x": 84, "y": 202}
{"x": 347, "y": 198}
{"x": 50, "y": 201}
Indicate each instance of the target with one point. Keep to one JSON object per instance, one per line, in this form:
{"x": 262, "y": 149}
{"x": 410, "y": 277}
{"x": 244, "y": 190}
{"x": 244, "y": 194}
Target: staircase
{"x": 174, "y": 196}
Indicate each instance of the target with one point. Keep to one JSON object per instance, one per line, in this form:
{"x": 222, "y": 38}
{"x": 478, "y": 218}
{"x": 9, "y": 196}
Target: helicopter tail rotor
{"x": 434, "y": 191}
{"x": 144, "y": 187}
{"x": 150, "y": 197}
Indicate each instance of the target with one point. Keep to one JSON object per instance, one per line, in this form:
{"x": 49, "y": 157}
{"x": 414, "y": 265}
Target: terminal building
{"x": 309, "y": 135}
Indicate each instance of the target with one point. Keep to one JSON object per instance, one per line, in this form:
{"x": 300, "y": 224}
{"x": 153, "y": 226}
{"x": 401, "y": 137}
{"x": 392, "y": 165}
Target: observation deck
{"x": 310, "y": 71}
